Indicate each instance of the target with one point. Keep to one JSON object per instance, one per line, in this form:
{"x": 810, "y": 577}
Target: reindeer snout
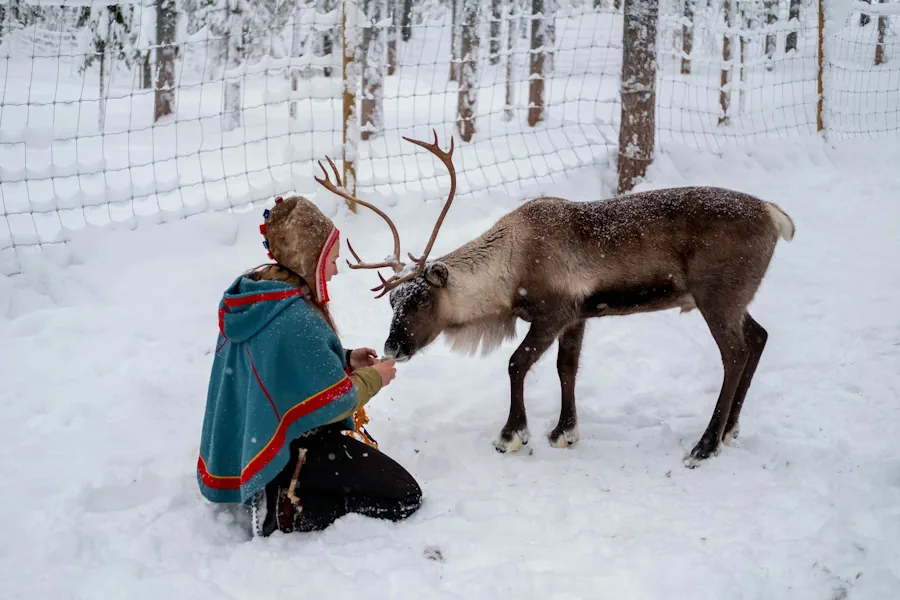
{"x": 398, "y": 353}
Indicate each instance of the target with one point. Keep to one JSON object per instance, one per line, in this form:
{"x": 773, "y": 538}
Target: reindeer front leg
{"x": 544, "y": 330}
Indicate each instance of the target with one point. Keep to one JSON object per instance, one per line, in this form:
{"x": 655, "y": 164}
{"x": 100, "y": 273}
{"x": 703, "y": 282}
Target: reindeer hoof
{"x": 511, "y": 442}
{"x": 559, "y": 438}
{"x": 732, "y": 435}
{"x": 703, "y": 450}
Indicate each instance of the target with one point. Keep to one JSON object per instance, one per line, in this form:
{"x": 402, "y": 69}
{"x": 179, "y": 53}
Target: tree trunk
{"x": 454, "y": 38}
{"x": 468, "y": 90}
{"x": 350, "y": 79}
{"x": 771, "y": 7}
{"x": 746, "y": 25}
{"x": 496, "y": 31}
{"x": 325, "y": 39}
{"x": 687, "y": 37}
{"x": 146, "y": 70}
{"x": 372, "y": 72}
{"x": 793, "y": 15}
{"x": 549, "y": 35}
{"x": 638, "y": 92}
{"x": 536, "y": 65}
{"x": 406, "y": 20}
{"x": 296, "y": 52}
{"x": 231, "y": 114}
{"x": 512, "y": 24}
{"x": 164, "y": 98}
{"x": 393, "y": 35}
{"x": 101, "y": 112}
{"x": 725, "y": 80}
{"x": 879, "y": 45}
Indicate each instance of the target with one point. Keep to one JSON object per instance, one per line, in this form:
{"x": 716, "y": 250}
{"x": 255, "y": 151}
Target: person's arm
{"x": 368, "y": 383}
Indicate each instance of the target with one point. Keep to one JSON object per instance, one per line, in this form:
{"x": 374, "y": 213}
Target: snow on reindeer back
{"x": 616, "y": 216}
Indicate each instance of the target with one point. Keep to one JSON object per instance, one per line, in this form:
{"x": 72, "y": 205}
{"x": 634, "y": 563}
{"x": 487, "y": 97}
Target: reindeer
{"x": 556, "y": 263}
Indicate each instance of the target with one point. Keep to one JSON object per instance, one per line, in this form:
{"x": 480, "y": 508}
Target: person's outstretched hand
{"x": 362, "y": 357}
{"x": 387, "y": 370}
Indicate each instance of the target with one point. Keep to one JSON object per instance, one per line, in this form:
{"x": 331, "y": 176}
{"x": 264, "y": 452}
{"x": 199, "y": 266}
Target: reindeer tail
{"x": 783, "y": 223}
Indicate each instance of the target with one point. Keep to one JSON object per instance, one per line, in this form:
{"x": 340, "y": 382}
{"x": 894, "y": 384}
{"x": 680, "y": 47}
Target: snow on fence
{"x": 159, "y": 109}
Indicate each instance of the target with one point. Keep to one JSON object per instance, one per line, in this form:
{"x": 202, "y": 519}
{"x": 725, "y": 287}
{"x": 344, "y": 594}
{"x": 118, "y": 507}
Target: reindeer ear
{"x": 437, "y": 274}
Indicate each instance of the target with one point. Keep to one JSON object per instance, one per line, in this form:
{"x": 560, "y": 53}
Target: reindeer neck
{"x": 480, "y": 282}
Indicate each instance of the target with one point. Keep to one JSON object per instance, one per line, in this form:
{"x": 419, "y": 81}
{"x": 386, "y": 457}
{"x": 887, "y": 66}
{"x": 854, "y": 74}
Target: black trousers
{"x": 340, "y": 475}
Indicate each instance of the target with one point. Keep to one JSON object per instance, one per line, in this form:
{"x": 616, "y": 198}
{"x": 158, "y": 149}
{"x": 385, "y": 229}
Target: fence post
{"x": 820, "y": 87}
{"x": 637, "y": 126}
{"x": 349, "y": 78}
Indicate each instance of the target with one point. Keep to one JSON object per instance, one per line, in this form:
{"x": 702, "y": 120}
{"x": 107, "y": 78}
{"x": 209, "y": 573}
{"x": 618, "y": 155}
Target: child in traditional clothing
{"x": 279, "y": 430}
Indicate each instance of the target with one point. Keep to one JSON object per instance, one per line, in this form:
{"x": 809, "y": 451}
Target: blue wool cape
{"x": 279, "y": 372}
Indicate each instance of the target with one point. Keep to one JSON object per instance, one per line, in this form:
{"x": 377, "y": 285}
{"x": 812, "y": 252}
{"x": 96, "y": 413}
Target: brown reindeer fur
{"x": 555, "y": 263}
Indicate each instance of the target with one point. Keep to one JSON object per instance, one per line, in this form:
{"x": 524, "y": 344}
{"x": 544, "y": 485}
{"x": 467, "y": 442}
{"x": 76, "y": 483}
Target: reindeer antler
{"x": 388, "y": 284}
{"x": 394, "y": 262}
{"x": 447, "y": 159}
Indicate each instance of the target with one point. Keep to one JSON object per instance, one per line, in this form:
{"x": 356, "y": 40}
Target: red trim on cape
{"x": 261, "y": 297}
{"x": 264, "y": 456}
{"x": 261, "y": 386}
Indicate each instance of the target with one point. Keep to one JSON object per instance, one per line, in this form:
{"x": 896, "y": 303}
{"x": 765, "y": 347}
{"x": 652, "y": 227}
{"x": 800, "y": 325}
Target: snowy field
{"x": 107, "y": 340}
{"x": 107, "y": 346}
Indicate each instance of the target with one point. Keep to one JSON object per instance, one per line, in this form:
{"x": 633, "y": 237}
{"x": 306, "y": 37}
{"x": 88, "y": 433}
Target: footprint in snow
{"x": 434, "y": 553}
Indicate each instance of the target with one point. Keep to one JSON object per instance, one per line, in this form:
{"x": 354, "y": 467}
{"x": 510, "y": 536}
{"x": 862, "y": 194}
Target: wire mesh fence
{"x": 160, "y": 109}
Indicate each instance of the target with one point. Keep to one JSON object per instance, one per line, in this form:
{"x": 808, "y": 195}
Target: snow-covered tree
{"x": 539, "y": 66}
{"x": 393, "y": 34}
{"x": 793, "y": 20}
{"x": 166, "y": 22}
{"x": 239, "y": 31}
{"x": 496, "y": 18}
{"x": 406, "y": 19}
{"x": 726, "y": 78}
{"x": 687, "y": 36}
{"x": 513, "y": 17}
{"x": 234, "y": 57}
{"x": 112, "y": 40}
{"x": 372, "y": 59}
{"x": 638, "y": 91}
{"x": 326, "y": 36}
{"x": 468, "y": 70}
{"x": 263, "y": 25}
{"x": 453, "y": 7}
{"x": 144, "y": 25}
{"x": 771, "y": 9}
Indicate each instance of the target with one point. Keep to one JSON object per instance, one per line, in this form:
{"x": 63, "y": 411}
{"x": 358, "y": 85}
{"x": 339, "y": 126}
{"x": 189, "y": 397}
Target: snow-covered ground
{"x": 107, "y": 346}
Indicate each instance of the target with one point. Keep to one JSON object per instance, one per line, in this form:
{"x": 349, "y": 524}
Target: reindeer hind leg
{"x": 728, "y": 331}
{"x": 755, "y": 336}
{"x": 565, "y": 433}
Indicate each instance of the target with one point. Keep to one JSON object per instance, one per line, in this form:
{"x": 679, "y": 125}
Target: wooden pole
{"x": 820, "y": 88}
{"x": 348, "y": 80}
